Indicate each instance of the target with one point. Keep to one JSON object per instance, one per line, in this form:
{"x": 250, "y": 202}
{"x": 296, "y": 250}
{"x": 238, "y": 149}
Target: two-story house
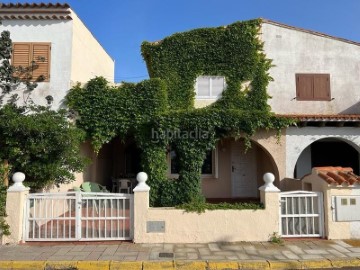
{"x": 315, "y": 81}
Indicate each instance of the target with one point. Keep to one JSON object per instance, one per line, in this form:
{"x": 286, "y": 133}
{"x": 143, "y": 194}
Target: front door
{"x": 243, "y": 171}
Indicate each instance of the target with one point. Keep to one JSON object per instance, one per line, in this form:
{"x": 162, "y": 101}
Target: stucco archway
{"x": 254, "y": 163}
{"x": 298, "y": 139}
{"x": 327, "y": 152}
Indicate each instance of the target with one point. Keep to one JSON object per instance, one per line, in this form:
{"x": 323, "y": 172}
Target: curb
{"x": 179, "y": 265}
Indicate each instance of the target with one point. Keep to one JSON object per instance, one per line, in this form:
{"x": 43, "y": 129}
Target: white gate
{"x": 78, "y": 216}
{"x": 301, "y": 214}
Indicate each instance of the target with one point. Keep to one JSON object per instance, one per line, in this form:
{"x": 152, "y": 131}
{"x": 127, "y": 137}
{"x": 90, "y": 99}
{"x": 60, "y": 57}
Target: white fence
{"x": 78, "y": 216}
{"x": 301, "y": 214}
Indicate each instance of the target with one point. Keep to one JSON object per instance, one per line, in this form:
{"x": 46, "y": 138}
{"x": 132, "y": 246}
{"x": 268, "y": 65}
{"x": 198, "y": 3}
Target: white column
{"x": 141, "y": 206}
{"x": 15, "y": 209}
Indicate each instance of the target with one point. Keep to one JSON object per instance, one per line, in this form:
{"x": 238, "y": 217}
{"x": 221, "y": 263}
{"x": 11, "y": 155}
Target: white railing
{"x": 301, "y": 214}
{"x": 82, "y": 216}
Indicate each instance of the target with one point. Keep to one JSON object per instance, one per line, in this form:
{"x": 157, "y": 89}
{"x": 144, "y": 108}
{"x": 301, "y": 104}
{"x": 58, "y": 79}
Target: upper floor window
{"x": 209, "y": 87}
{"x": 35, "y": 55}
{"x": 313, "y": 87}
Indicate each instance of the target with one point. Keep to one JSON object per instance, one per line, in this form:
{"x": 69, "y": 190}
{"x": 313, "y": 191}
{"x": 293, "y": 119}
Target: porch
{"x": 236, "y": 174}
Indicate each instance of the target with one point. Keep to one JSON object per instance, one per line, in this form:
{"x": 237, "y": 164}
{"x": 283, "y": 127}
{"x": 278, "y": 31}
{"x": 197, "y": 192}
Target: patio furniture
{"x": 92, "y": 187}
{"x": 121, "y": 185}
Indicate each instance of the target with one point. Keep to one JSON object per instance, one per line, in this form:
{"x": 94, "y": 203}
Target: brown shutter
{"x": 322, "y": 87}
{"x": 304, "y": 87}
{"x": 41, "y": 57}
{"x": 21, "y": 56}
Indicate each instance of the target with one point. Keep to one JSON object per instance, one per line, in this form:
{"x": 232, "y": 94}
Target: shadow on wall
{"x": 291, "y": 184}
{"x": 354, "y": 109}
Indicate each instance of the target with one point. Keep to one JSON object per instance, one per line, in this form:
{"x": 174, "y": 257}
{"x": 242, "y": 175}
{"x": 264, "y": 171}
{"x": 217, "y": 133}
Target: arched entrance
{"x": 238, "y": 172}
{"x": 327, "y": 152}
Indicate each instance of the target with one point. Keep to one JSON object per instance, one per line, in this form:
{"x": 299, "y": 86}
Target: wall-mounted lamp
{"x": 49, "y": 100}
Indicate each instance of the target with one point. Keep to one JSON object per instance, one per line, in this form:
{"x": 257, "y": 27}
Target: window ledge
{"x": 207, "y": 98}
{"x": 209, "y": 176}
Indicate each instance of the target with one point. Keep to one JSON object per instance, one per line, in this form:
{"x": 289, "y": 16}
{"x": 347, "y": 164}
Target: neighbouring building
{"x": 54, "y": 33}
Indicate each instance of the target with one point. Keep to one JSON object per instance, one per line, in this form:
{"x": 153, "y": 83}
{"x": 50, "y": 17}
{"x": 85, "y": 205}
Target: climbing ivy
{"x": 4, "y": 173}
{"x": 164, "y": 104}
{"x": 232, "y": 51}
{"x": 108, "y": 111}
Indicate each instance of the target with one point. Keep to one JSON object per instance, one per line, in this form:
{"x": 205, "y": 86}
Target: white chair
{"x": 125, "y": 184}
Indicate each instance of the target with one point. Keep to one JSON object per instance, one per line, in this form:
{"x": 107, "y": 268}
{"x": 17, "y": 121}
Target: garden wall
{"x": 169, "y": 225}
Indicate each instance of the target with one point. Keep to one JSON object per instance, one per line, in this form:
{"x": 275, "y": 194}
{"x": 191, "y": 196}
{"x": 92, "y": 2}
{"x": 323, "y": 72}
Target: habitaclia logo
{"x": 176, "y": 134}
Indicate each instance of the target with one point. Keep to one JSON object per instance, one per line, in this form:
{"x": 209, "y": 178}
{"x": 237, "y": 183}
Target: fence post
{"x": 270, "y": 197}
{"x": 78, "y": 214}
{"x": 141, "y": 206}
{"x": 268, "y": 187}
{"x": 15, "y": 208}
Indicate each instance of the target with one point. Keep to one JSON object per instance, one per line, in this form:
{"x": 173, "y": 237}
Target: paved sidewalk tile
{"x": 340, "y": 248}
{"x": 342, "y": 243}
{"x": 290, "y": 255}
{"x": 214, "y": 247}
{"x": 240, "y": 251}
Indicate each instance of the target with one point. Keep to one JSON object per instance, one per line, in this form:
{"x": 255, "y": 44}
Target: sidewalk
{"x": 251, "y": 255}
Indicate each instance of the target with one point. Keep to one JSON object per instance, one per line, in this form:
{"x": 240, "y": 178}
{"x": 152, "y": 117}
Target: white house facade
{"x": 54, "y": 32}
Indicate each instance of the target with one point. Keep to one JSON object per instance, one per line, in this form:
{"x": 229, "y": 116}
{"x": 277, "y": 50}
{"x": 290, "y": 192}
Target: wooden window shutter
{"x": 322, "y": 87}
{"x": 41, "y": 57}
{"x": 21, "y": 56}
{"x": 304, "y": 87}
{"x": 24, "y": 54}
{"x": 313, "y": 87}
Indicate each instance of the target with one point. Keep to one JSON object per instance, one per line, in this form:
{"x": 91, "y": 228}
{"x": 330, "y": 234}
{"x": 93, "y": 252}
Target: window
{"x": 209, "y": 168}
{"x": 313, "y": 87}
{"x": 25, "y": 54}
{"x": 209, "y": 87}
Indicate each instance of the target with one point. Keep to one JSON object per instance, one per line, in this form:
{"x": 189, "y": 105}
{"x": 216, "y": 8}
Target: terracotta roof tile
{"x": 338, "y": 175}
{"x": 35, "y": 11}
{"x": 34, "y": 5}
{"x": 323, "y": 117}
{"x": 327, "y": 178}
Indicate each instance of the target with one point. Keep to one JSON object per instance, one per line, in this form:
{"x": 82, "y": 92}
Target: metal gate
{"x": 78, "y": 216}
{"x": 301, "y": 214}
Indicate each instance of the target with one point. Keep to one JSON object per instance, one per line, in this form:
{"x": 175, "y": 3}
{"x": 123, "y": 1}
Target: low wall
{"x": 169, "y": 225}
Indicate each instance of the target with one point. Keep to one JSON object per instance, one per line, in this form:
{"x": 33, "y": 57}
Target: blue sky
{"x": 122, "y": 25}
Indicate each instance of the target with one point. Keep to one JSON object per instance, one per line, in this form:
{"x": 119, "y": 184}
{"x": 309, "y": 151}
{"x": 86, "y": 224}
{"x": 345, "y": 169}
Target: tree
{"x": 34, "y": 139}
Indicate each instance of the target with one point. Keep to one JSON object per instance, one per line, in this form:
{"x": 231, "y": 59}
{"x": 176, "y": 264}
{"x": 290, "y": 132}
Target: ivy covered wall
{"x": 232, "y": 51}
{"x": 165, "y": 104}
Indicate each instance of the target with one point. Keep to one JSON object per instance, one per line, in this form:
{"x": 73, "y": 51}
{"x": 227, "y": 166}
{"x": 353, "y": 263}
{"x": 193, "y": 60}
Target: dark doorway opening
{"x": 330, "y": 153}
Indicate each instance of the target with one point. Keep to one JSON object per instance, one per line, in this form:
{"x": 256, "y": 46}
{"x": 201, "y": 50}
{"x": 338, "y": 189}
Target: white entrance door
{"x": 243, "y": 171}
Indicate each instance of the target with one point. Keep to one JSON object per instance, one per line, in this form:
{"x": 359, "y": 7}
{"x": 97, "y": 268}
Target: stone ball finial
{"x": 141, "y": 177}
{"x": 18, "y": 179}
{"x": 269, "y": 178}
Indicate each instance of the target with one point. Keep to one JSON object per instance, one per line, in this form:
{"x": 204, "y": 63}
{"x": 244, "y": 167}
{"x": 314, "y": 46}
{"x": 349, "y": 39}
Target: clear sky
{"x": 122, "y": 25}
